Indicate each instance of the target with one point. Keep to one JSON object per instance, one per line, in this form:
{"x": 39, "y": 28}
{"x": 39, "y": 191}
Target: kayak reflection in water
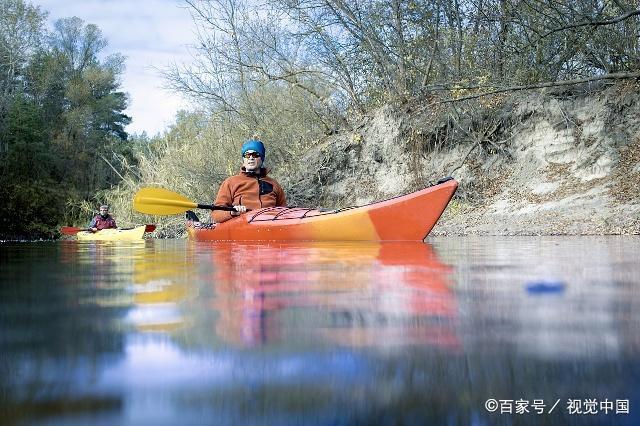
{"x": 102, "y": 220}
{"x": 250, "y": 189}
{"x": 369, "y": 294}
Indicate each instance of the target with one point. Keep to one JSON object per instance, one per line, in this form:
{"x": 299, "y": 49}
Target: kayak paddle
{"x": 160, "y": 201}
{"x": 73, "y": 230}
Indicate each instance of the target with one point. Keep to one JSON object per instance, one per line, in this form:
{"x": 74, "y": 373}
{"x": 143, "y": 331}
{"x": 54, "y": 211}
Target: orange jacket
{"x": 252, "y": 190}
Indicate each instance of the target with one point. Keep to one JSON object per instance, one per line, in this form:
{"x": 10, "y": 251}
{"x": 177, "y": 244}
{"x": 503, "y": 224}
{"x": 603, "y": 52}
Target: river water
{"x": 454, "y": 331}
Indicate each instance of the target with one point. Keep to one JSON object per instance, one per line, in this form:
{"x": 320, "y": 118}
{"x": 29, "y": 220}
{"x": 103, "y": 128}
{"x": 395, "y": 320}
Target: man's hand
{"x": 239, "y": 209}
{"x": 93, "y": 229}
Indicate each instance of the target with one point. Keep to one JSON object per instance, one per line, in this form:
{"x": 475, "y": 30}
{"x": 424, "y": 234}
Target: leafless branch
{"x": 614, "y": 76}
{"x": 588, "y": 23}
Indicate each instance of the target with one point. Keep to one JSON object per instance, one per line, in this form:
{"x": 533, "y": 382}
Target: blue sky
{"x": 151, "y": 34}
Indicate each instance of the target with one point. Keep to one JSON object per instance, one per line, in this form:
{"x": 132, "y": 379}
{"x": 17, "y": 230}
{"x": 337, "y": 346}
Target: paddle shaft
{"x": 212, "y": 207}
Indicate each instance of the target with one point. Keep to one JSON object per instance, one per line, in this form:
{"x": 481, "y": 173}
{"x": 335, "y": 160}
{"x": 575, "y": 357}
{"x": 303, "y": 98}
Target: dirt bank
{"x": 544, "y": 163}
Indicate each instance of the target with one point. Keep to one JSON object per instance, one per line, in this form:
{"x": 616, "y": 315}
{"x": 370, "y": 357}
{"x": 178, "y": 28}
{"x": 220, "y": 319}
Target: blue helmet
{"x": 254, "y": 145}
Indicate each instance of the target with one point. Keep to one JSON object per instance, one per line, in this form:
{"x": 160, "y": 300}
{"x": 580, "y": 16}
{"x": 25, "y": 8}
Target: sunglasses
{"x": 251, "y": 155}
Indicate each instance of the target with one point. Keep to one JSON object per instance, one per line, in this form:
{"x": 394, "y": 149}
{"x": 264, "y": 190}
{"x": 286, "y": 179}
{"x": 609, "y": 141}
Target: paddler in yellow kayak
{"x": 250, "y": 189}
{"x": 103, "y": 220}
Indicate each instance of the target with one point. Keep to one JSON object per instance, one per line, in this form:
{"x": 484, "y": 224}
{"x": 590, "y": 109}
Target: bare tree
{"x": 348, "y": 56}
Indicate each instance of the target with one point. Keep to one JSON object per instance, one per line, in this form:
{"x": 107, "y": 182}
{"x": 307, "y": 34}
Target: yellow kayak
{"x": 113, "y": 234}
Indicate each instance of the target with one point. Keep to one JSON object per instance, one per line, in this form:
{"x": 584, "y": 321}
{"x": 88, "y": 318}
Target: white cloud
{"x": 151, "y": 34}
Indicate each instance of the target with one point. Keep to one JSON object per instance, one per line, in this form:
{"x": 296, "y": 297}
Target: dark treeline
{"x": 61, "y": 119}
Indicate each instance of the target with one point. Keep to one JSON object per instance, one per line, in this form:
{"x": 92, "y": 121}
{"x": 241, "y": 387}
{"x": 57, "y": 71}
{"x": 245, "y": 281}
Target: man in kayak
{"x": 250, "y": 189}
{"x": 103, "y": 220}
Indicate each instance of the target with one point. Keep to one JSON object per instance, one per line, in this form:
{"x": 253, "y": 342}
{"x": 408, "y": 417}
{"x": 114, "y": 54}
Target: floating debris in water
{"x": 543, "y": 287}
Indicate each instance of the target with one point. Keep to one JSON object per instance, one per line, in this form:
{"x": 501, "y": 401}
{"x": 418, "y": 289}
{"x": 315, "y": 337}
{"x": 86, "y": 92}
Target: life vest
{"x": 104, "y": 222}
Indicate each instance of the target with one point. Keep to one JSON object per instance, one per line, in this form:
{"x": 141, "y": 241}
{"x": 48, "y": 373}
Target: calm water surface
{"x": 176, "y": 332}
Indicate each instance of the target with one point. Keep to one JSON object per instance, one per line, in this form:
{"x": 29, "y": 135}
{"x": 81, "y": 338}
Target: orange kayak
{"x": 406, "y": 218}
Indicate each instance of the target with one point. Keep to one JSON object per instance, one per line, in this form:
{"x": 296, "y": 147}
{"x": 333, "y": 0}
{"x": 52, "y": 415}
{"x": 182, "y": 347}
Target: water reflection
{"x": 586, "y": 295}
{"x": 175, "y": 332}
{"x": 60, "y": 304}
{"x": 352, "y": 294}
{"x": 162, "y": 280}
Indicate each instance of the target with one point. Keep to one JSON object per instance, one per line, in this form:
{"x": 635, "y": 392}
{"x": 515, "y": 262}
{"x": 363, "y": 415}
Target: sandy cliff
{"x": 555, "y": 162}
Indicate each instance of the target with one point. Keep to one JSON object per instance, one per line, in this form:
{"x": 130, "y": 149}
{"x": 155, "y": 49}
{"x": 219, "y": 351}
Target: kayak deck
{"x": 116, "y": 234}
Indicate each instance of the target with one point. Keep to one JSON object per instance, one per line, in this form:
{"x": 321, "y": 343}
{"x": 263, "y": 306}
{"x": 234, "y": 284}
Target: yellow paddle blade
{"x": 161, "y": 201}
